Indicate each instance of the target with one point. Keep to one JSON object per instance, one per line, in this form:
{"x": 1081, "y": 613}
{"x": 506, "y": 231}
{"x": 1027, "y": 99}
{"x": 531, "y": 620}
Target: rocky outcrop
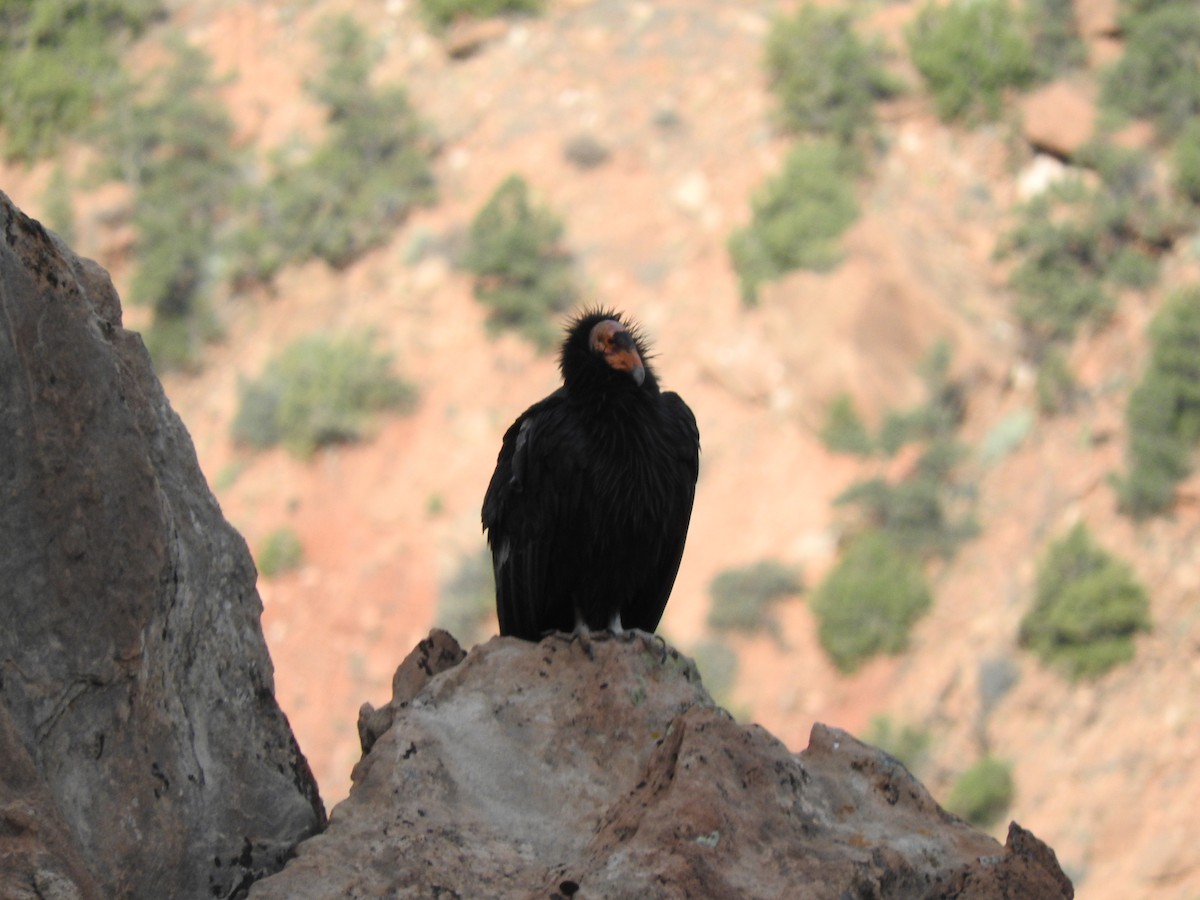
{"x": 142, "y": 753}
{"x": 539, "y": 770}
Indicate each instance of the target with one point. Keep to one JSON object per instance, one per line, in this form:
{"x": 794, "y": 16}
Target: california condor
{"x": 588, "y": 509}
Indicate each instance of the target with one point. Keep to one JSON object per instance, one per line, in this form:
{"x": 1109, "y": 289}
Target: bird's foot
{"x": 582, "y": 634}
{"x": 654, "y": 642}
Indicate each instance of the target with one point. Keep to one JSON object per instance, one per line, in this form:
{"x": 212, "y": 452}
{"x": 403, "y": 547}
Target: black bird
{"x": 588, "y": 509}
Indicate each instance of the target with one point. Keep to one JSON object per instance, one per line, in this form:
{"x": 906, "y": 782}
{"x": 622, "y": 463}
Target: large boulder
{"x": 143, "y": 752}
{"x": 544, "y": 770}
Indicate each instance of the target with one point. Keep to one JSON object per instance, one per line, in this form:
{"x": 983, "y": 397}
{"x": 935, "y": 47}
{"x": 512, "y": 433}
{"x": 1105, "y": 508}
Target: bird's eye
{"x": 603, "y": 337}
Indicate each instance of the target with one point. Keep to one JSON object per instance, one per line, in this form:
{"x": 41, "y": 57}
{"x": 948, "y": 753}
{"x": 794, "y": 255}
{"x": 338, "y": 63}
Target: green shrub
{"x": 440, "y": 13}
{"x": 170, "y": 141}
{"x": 844, "y": 430}
{"x": 1155, "y": 77}
{"x": 1076, "y": 244}
{"x": 1056, "y": 386}
{"x": 907, "y": 743}
{"x": 1087, "y": 607}
{"x": 280, "y": 552}
{"x": 718, "y": 667}
{"x": 59, "y": 61}
{"x": 319, "y": 391}
{"x": 917, "y": 512}
{"x": 983, "y": 793}
{"x": 825, "y": 78}
{"x": 1185, "y": 162}
{"x": 742, "y": 598}
{"x": 1055, "y": 41}
{"x": 938, "y": 416}
{"x": 356, "y": 187}
{"x": 1130, "y": 205}
{"x": 467, "y": 600}
{"x": 523, "y": 275}
{"x": 1059, "y": 280}
{"x": 969, "y": 54}
{"x": 921, "y": 512}
{"x": 1163, "y": 412}
{"x": 869, "y": 601}
{"x": 798, "y": 216}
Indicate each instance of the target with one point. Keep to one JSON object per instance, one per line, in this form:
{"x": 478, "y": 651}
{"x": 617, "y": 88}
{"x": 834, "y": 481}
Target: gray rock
{"x": 133, "y": 670}
{"x": 536, "y": 770}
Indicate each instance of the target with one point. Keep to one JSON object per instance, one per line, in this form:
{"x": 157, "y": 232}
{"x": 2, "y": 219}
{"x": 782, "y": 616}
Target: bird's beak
{"x": 624, "y": 358}
{"x": 619, "y": 348}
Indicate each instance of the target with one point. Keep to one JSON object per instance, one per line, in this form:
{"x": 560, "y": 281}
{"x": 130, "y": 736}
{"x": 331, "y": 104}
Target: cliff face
{"x": 144, "y": 754}
{"x": 536, "y": 770}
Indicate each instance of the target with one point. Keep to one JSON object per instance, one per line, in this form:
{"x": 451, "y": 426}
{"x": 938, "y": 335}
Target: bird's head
{"x": 602, "y": 348}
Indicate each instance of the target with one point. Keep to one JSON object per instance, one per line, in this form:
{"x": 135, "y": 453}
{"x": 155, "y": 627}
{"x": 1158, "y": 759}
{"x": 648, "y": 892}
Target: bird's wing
{"x": 524, "y": 513}
{"x": 683, "y": 439}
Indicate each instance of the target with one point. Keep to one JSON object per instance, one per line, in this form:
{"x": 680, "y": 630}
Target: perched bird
{"x": 588, "y": 509}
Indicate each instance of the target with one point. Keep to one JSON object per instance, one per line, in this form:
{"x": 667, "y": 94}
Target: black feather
{"x": 588, "y": 509}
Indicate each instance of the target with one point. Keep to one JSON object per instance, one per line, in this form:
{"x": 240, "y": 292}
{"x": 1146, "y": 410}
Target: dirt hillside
{"x": 1107, "y": 772}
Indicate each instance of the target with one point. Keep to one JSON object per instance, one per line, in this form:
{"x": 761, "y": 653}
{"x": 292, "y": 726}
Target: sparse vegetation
{"x": 969, "y": 54}
{"x": 869, "y": 601}
{"x": 467, "y": 601}
{"x": 1055, "y": 41}
{"x": 844, "y": 430}
{"x": 938, "y": 417}
{"x": 983, "y": 793}
{"x": 824, "y": 76}
{"x": 1060, "y": 278}
{"x": 742, "y": 597}
{"x": 1155, "y": 77}
{"x": 921, "y": 512}
{"x": 798, "y": 216}
{"x": 281, "y": 552}
{"x": 58, "y": 63}
{"x": 1163, "y": 413}
{"x": 440, "y": 13}
{"x": 1078, "y": 244}
{"x": 1056, "y": 386}
{"x": 170, "y": 142}
{"x": 523, "y": 274}
{"x": 1087, "y": 607}
{"x": 354, "y": 189}
{"x": 1185, "y": 162}
{"x": 320, "y": 390}
{"x": 916, "y": 511}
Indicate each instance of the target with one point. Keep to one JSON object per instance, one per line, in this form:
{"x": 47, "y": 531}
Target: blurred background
{"x": 927, "y": 273}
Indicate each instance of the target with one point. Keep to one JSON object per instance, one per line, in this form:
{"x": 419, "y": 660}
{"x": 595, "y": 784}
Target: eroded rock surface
{"x": 143, "y": 752}
{"x": 534, "y": 770}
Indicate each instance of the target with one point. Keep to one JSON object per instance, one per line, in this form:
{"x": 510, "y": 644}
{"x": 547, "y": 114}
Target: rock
{"x": 139, "y": 715}
{"x": 432, "y": 656}
{"x": 1037, "y": 177}
{"x": 1059, "y": 118}
{"x": 534, "y": 770}
{"x": 39, "y": 857}
{"x": 466, "y": 37}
